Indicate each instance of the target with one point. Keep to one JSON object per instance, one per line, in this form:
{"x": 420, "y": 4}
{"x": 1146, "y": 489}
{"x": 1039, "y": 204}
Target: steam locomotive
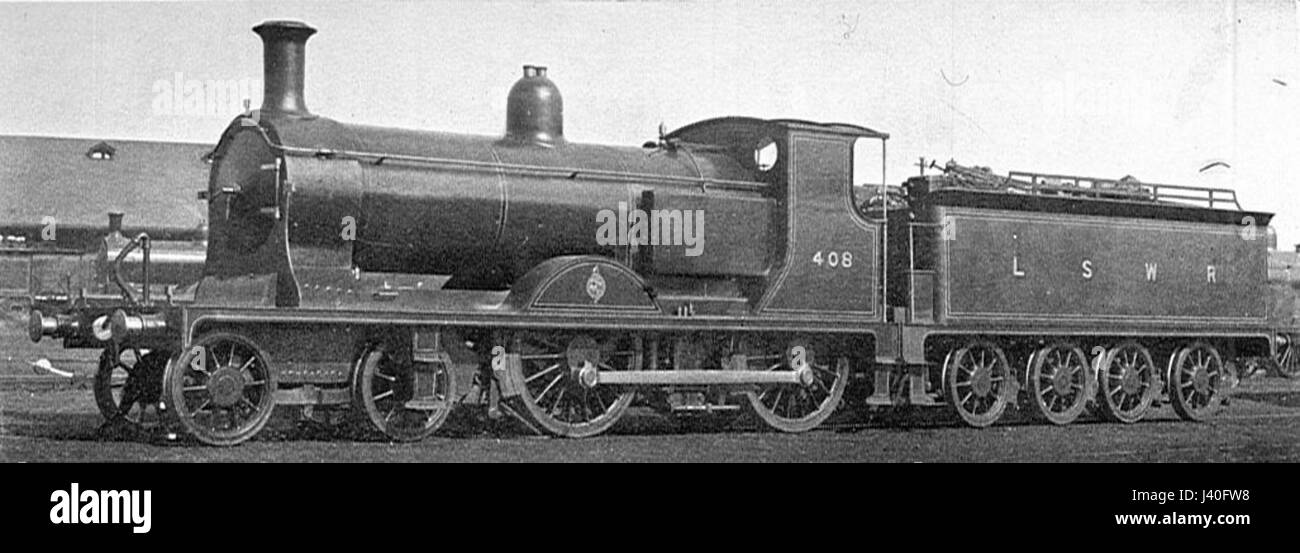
{"x": 729, "y": 265}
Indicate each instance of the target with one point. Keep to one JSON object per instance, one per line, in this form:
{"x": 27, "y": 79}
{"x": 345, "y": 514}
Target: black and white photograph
{"x": 879, "y": 232}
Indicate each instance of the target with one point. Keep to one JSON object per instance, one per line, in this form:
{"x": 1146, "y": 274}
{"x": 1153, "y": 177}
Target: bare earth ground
{"x": 51, "y": 424}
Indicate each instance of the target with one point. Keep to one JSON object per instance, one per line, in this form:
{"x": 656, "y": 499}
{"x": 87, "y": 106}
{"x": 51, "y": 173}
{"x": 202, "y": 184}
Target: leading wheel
{"x": 557, "y": 371}
{"x": 1195, "y": 381}
{"x": 404, "y": 401}
{"x": 128, "y": 382}
{"x": 1286, "y": 362}
{"x": 797, "y": 407}
{"x": 1126, "y": 382}
{"x": 1058, "y": 382}
{"x": 221, "y": 389}
{"x": 979, "y": 383}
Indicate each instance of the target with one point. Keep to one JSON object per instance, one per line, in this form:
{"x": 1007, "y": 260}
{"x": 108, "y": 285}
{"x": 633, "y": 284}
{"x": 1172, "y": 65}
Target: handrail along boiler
{"x": 398, "y": 273}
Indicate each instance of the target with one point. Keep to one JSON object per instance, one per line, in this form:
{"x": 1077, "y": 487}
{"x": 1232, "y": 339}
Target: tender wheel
{"x": 799, "y": 407}
{"x": 554, "y": 398}
{"x": 1286, "y": 363}
{"x": 221, "y": 389}
{"x": 1058, "y": 382}
{"x": 128, "y": 382}
{"x": 979, "y": 383}
{"x": 1126, "y": 383}
{"x": 404, "y": 401}
{"x": 1195, "y": 380}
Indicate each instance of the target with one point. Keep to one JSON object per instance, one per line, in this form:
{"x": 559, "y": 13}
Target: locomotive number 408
{"x": 842, "y": 260}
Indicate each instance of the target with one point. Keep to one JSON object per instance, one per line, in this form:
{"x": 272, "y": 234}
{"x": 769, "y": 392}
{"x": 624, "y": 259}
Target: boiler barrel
{"x": 484, "y": 211}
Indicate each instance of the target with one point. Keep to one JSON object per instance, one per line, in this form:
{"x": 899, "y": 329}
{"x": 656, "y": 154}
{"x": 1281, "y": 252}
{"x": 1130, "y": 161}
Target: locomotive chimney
{"x": 115, "y": 222}
{"x": 283, "y": 50}
{"x": 535, "y": 110}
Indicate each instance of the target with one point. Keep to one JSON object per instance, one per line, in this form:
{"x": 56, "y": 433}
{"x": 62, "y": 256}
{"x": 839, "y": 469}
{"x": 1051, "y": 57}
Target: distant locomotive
{"x": 58, "y": 259}
{"x": 57, "y": 191}
{"x": 398, "y": 273}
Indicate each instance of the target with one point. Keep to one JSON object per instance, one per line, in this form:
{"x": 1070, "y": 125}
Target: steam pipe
{"x": 141, "y": 241}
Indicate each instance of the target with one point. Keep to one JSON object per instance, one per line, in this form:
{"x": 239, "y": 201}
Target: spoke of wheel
{"x": 382, "y": 396}
{"x": 824, "y": 369}
{"x": 385, "y": 376}
{"x": 587, "y": 407}
{"x": 542, "y": 372}
{"x": 822, "y": 385}
{"x": 559, "y": 400}
{"x": 557, "y": 379}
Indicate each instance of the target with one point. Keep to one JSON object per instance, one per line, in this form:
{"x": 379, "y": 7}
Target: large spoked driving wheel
{"x": 1126, "y": 382}
{"x": 221, "y": 389}
{"x": 1286, "y": 362}
{"x": 561, "y": 395}
{"x": 1058, "y": 382}
{"x": 979, "y": 383}
{"x": 404, "y": 401}
{"x": 797, "y": 407}
{"x": 127, "y": 383}
{"x": 1195, "y": 381}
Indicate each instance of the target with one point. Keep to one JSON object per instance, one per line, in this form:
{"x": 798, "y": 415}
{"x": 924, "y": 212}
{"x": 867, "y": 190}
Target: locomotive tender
{"x": 397, "y": 273}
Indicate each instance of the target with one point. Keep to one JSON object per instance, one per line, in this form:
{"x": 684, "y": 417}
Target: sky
{"x": 1156, "y": 89}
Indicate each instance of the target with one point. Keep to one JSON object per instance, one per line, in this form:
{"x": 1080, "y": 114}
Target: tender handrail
{"x": 1098, "y": 187}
